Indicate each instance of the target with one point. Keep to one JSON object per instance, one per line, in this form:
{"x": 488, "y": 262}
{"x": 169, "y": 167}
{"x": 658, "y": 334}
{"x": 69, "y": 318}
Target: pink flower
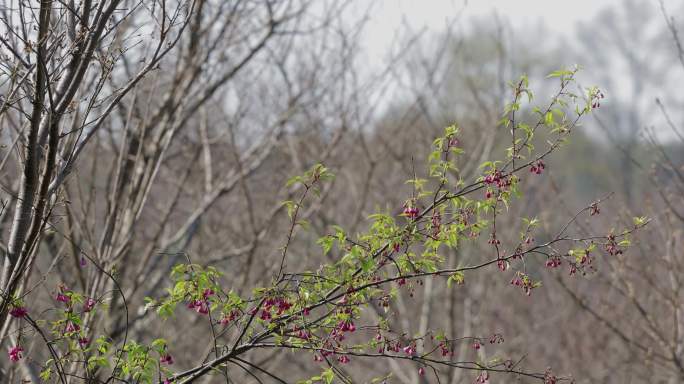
{"x": 203, "y": 308}
{"x": 421, "y": 371}
{"x": 200, "y": 306}
{"x": 502, "y": 264}
{"x": 444, "y": 349}
{"x": 15, "y": 353}
{"x": 549, "y": 378}
{"x": 63, "y": 298}
{"x": 304, "y": 335}
{"x": 83, "y": 342}
{"x": 18, "y": 312}
{"x": 166, "y": 359}
{"x": 89, "y": 304}
{"x": 351, "y": 327}
{"x": 496, "y": 338}
{"x": 482, "y": 378}
{"x": 71, "y": 328}
{"x": 538, "y": 168}
{"x": 411, "y": 212}
{"x": 346, "y": 326}
{"x": 409, "y": 350}
{"x": 553, "y": 262}
{"x": 343, "y": 359}
{"x": 229, "y": 317}
{"x": 595, "y": 209}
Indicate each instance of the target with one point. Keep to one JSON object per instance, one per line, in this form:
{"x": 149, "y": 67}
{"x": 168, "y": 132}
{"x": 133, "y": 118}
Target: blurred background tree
{"x": 188, "y": 162}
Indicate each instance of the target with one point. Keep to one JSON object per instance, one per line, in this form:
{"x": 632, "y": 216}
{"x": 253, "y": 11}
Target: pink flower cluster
{"x": 444, "y": 349}
{"x": 410, "y": 350}
{"x": 538, "y": 168}
{"x": 521, "y": 280}
{"x": 596, "y": 99}
{"x": 502, "y": 264}
{"x": 71, "y": 327}
{"x": 553, "y": 262}
{"x": 612, "y": 247}
{"x": 549, "y": 377}
{"x": 63, "y": 298}
{"x": 279, "y": 304}
{"x": 18, "y": 312}
{"x": 453, "y": 142}
{"x": 497, "y": 178}
{"x": 410, "y": 211}
{"x": 496, "y": 338}
{"x": 89, "y": 304}
{"x": 229, "y": 317}
{"x": 15, "y": 353}
{"x": 166, "y": 359}
{"x": 201, "y": 306}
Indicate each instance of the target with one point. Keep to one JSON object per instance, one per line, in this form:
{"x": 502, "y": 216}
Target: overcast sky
{"x": 558, "y": 17}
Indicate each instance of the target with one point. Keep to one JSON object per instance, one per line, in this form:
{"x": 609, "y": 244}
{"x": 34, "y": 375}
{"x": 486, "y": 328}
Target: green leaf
{"x": 328, "y": 375}
{"x": 290, "y": 206}
{"x": 293, "y": 180}
{"x": 45, "y": 374}
{"x": 456, "y": 277}
{"x": 560, "y": 73}
{"x": 326, "y": 243}
{"x": 548, "y": 118}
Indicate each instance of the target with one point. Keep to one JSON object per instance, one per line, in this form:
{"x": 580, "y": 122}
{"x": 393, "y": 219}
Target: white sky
{"x": 560, "y": 17}
{"x": 388, "y": 16}
{"x": 520, "y": 11}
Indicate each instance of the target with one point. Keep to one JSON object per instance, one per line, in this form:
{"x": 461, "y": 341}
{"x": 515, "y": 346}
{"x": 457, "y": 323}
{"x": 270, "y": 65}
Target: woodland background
{"x": 192, "y": 162}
